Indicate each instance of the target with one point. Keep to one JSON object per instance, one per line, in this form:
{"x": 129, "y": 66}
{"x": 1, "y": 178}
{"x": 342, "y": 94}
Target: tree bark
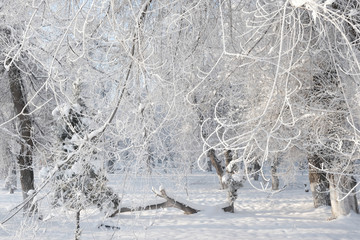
{"x": 78, "y": 229}
{"x": 217, "y": 165}
{"x": 318, "y": 182}
{"x": 231, "y": 185}
{"x": 274, "y": 176}
{"x": 228, "y": 157}
{"x": 343, "y": 195}
{"x": 256, "y": 170}
{"x": 25, "y": 129}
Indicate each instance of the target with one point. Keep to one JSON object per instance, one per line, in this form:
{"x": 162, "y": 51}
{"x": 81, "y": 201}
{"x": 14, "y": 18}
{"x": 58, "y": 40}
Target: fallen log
{"x": 170, "y": 202}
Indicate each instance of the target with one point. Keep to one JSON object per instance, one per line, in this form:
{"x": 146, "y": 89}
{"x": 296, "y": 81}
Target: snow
{"x": 77, "y": 168}
{"x": 353, "y": 12}
{"x": 44, "y": 173}
{"x": 300, "y": 3}
{"x": 312, "y": 5}
{"x": 61, "y": 110}
{"x": 30, "y": 192}
{"x": 288, "y": 214}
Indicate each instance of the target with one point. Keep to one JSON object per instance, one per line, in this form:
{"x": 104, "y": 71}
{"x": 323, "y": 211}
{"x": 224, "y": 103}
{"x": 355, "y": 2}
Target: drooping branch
{"x": 95, "y": 134}
{"x": 91, "y": 138}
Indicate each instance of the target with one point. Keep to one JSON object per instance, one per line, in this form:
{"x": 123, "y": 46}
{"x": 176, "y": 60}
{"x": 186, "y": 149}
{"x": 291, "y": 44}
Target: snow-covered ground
{"x": 288, "y": 214}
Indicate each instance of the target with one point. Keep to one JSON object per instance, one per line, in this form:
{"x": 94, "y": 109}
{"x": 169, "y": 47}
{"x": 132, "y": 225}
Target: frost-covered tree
{"x": 19, "y": 69}
{"x": 79, "y": 182}
{"x": 160, "y": 84}
{"x": 302, "y": 57}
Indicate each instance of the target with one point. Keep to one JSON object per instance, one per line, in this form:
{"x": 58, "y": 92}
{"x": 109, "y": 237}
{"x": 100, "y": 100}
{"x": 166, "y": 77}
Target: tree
{"x": 309, "y": 85}
{"x": 21, "y": 73}
{"x": 333, "y": 138}
{"x": 155, "y": 83}
{"x": 22, "y": 112}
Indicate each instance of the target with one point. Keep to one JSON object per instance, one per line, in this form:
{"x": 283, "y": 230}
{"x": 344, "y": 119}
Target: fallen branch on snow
{"x": 170, "y": 202}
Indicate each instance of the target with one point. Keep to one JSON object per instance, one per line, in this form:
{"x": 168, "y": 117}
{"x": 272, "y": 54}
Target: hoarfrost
{"x": 61, "y": 110}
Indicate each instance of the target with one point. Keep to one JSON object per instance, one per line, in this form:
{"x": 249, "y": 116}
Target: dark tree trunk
{"x": 78, "y": 229}
{"x": 25, "y": 129}
{"x": 319, "y": 185}
{"x": 228, "y": 157}
{"x": 217, "y": 165}
{"x": 274, "y": 176}
{"x": 257, "y": 168}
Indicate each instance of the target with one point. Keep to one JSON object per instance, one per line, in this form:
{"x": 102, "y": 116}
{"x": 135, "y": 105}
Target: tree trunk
{"x": 228, "y": 157}
{"x": 256, "y": 170}
{"x": 78, "y": 229}
{"x": 274, "y": 176}
{"x": 232, "y": 190}
{"x": 25, "y": 129}
{"x": 319, "y": 185}
{"x": 342, "y": 195}
{"x": 217, "y": 165}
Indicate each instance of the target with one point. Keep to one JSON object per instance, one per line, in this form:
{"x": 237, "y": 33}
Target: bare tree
{"x": 25, "y": 159}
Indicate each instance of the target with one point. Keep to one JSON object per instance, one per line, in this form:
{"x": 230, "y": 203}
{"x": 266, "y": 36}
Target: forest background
{"x": 258, "y": 91}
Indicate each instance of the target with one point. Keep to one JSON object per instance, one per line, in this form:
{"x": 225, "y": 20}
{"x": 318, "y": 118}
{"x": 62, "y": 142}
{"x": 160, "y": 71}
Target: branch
{"x": 170, "y": 202}
{"x": 176, "y": 204}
